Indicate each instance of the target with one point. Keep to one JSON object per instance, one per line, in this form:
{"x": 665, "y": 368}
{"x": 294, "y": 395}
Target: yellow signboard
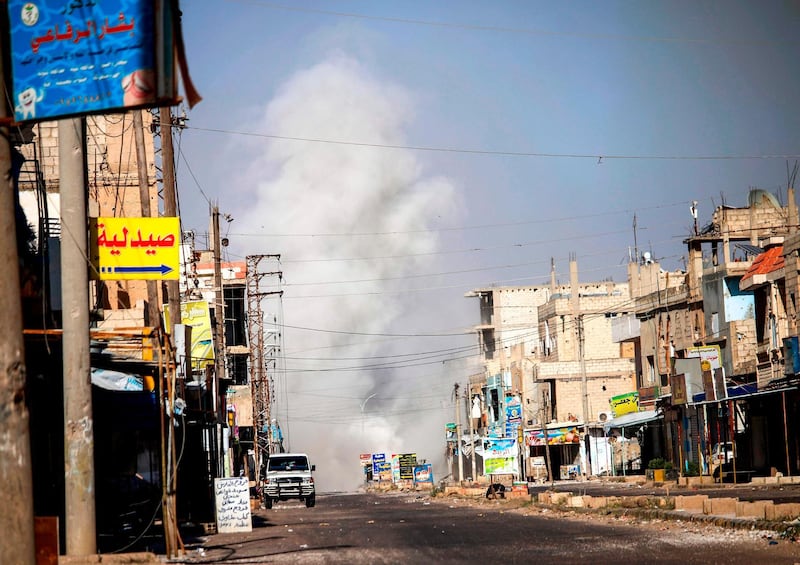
{"x": 135, "y": 248}
{"x": 197, "y": 315}
{"x": 624, "y": 403}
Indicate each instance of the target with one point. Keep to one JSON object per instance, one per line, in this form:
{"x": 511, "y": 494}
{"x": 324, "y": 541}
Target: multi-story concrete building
{"x": 581, "y": 368}
{"x": 548, "y": 357}
{"x": 708, "y": 340}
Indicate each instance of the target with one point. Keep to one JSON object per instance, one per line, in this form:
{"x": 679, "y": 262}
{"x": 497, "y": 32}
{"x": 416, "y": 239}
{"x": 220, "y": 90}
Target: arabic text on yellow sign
{"x": 136, "y": 248}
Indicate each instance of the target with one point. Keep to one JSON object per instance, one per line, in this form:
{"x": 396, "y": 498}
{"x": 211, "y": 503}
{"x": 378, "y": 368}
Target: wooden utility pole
{"x": 16, "y": 520}
{"x": 153, "y": 313}
{"x": 170, "y": 209}
{"x": 78, "y": 420}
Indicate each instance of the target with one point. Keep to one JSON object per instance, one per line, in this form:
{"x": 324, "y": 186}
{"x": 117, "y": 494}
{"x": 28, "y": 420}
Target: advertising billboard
{"x": 79, "y": 57}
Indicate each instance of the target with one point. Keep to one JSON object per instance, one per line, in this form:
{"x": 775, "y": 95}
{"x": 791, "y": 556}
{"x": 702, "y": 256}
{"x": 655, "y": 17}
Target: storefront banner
{"x": 555, "y": 436}
{"x": 624, "y": 403}
{"x": 710, "y": 354}
{"x": 513, "y": 409}
{"x": 500, "y": 456}
{"x": 197, "y": 315}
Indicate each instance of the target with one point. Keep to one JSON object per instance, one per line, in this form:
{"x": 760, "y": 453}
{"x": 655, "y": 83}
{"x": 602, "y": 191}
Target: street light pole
{"x": 363, "y": 404}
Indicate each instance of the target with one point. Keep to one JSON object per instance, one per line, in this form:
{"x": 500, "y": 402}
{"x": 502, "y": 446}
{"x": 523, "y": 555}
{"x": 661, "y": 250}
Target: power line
{"x": 599, "y": 156}
{"x": 374, "y": 334}
{"x": 515, "y": 30}
{"x": 538, "y": 221}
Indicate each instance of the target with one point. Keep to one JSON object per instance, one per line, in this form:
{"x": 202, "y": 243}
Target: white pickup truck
{"x": 288, "y": 476}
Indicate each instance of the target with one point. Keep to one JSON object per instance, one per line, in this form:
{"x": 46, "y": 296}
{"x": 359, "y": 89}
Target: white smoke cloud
{"x": 303, "y": 187}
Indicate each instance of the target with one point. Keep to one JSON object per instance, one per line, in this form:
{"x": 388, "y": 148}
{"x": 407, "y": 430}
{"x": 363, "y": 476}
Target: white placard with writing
{"x": 232, "y": 496}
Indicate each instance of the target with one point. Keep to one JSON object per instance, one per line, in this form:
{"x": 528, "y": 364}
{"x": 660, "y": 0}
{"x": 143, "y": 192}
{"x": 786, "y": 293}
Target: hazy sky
{"x": 399, "y": 154}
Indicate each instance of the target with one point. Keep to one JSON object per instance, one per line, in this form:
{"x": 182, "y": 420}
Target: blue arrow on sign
{"x": 162, "y": 269}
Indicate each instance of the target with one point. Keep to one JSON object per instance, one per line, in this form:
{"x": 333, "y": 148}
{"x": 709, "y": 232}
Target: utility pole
{"x": 545, "y": 418}
{"x": 16, "y": 520}
{"x": 153, "y": 310}
{"x": 78, "y": 420}
{"x": 259, "y": 380}
{"x": 577, "y": 317}
{"x": 170, "y": 208}
{"x": 458, "y": 438}
{"x": 219, "y": 332}
{"x": 468, "y": 403}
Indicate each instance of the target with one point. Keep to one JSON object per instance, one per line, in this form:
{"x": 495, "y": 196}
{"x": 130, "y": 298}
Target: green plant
{"x": 692, "y": 469}
{"x": 668, "y": 465}
{"x": 657, "y": 463}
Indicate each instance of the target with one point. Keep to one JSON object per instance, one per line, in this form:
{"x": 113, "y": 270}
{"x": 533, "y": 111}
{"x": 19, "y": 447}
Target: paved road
{"x": 410, "y": 529}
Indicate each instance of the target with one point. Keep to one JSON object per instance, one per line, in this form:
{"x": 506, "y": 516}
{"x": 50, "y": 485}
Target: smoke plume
{"x": 353, "y": 224}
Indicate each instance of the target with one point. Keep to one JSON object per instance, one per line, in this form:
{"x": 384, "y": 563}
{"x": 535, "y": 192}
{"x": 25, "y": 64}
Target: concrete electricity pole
{"x": 219, "y": 330}
{"x": 468, "y": 403}
{"x": 78, "y": 420}
{"x": 458, "y": 438}
{"x": 153, "y": 307}
{"x": 16, "y": 520}
{"x": 170, "y": 208}
{"x": 577, "y": 318}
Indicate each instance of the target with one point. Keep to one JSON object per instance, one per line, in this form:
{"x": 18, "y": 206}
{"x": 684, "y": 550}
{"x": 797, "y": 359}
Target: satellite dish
{"x": 646, "y": 258}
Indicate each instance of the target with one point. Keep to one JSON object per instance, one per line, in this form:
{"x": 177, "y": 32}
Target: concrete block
{"x": 722, "y": 506}
{"x": 576, "y": 502}
{"x": 786, "y": 511}
{"x": 771, "y": 480}
{"x": 697, "y": 481}
{"x": 559, "y": 497}
{"x": 543, "y": 498}
{"x": 595, "y": 502}
{"x": 755, "y": 509}
{"x": 692, "y": 503}
{"x": 758, "y": 480}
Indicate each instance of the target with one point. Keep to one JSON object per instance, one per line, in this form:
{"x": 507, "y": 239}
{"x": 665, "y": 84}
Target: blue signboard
{"x": 74, "y": 57}
{"x": 378, "y": 460}
{"x": 423, "y": 473}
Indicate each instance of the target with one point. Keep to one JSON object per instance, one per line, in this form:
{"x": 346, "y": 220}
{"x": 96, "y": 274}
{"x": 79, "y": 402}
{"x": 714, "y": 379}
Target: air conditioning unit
{"x": 604, "y": 416}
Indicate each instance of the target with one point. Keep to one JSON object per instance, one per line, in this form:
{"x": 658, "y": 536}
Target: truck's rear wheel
{"x": 310, "y": 501}
{"x": 268, "y": 503}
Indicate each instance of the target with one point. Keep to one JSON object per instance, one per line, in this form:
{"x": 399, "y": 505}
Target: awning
{"x": 632, "y": 419}
{"x": 740, "y": 392}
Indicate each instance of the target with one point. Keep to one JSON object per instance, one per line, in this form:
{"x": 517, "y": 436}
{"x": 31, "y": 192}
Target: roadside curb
{"x": 674, "y": 515}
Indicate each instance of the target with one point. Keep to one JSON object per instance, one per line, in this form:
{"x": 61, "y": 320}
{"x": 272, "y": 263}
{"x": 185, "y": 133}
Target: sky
{"x": 399, "y": 154}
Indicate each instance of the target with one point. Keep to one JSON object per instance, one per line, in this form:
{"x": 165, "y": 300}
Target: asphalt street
{"x": 409, "y": 528}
